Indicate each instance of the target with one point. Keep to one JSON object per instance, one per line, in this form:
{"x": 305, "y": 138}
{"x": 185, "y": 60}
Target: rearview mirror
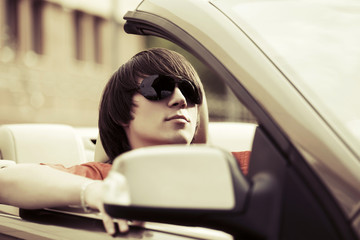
{"x": 175, "y": 184}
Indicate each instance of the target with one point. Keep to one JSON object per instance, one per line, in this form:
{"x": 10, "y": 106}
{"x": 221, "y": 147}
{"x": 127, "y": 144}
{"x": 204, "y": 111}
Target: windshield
{"x": 316, "y": 44}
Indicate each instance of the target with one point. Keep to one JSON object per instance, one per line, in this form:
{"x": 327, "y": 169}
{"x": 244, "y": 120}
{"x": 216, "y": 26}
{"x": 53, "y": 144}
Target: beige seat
{"x": 41, "y": 143}
{"x": 232, "y": 136}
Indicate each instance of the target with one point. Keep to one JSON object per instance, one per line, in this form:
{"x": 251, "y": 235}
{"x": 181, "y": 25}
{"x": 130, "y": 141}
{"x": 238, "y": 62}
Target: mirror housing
{"x": 176, "y": 184}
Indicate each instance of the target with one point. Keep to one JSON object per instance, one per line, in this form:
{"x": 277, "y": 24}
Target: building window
{"x": 12, "y": 23}
{"x": 79, "y": 41}
{"x": 98, "y": 23}
{"x": 37, "y": 26}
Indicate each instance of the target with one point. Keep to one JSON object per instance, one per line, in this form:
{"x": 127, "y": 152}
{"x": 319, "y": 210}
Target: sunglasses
{"x": 158, "y": 87}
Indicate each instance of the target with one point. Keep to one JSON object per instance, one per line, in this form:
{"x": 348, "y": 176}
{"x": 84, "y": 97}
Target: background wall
{"x": 57, "y": 55}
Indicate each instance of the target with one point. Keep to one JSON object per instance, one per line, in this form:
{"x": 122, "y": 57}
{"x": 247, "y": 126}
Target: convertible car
{"x": 295, "y": 66}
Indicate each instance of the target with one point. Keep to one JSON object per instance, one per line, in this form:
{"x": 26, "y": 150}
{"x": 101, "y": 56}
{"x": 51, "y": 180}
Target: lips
{"x": 178, "y": 116}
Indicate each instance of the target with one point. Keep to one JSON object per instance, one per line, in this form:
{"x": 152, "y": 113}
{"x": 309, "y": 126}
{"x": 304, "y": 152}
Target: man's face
{"x": 168, "y": 121}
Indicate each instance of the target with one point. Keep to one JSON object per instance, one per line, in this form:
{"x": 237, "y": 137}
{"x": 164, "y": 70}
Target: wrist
{"x": 84, "y": 203}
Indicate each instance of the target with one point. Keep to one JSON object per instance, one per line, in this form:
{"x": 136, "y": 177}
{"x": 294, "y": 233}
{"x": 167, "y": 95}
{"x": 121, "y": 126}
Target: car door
{"x": 288, "y": 199}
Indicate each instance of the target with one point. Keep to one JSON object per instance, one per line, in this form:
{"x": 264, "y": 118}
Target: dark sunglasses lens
{"x": 164, "y": 87}
{"x": 189, "y": 92}
{"x": 157, "y": 87}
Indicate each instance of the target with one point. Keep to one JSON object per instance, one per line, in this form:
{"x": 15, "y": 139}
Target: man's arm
{"x": 34, "y": 186}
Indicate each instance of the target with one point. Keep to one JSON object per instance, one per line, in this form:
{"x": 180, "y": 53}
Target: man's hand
{"x": 93, "y": 198}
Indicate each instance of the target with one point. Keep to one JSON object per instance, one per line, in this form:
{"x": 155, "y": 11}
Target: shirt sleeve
{"x": 93, "y": 170}
{"x": 243, "y": 158}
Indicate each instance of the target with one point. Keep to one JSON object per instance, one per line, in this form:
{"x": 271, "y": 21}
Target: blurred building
{"x": 57, "y": 55}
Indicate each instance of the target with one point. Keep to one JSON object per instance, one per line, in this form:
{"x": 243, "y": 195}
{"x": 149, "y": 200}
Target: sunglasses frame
{"x": 187, "y": 88}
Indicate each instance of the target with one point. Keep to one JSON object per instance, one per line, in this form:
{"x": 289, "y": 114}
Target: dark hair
{"x": 116, "y": 104}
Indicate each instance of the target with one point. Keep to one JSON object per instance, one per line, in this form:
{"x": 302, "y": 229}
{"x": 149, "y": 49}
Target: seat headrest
{"x": 41, "y": 143}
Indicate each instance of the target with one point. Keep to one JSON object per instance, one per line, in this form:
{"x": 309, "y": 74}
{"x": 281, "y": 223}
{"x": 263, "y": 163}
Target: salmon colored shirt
{"x": 99, "y": 171}
{"x": 93, "y": 170}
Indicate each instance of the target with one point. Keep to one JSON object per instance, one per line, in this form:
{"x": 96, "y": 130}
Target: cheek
{"x": 144, "y": 110}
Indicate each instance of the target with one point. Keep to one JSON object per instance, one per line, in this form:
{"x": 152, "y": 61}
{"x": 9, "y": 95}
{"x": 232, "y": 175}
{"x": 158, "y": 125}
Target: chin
{"x": 180, "y": 140}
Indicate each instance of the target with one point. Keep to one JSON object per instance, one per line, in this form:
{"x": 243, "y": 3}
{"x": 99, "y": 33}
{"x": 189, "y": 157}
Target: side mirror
{"x": 187, "y": 185}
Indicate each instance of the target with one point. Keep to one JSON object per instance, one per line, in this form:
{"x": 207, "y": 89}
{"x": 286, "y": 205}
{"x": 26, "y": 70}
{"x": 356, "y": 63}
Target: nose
{"x": 177, "y": 99}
